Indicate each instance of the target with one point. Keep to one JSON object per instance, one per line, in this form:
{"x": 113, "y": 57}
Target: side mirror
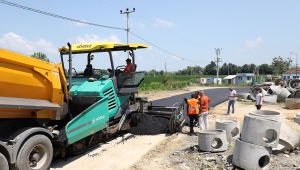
{"x": 91, "y": 57}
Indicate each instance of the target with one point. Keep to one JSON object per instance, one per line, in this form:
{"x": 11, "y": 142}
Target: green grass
{"x": 175, "y": 82}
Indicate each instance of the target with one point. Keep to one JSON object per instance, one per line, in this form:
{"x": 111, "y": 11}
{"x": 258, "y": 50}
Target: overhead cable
{"x": 56, "y": 16}
{"x": 75, "y": 20}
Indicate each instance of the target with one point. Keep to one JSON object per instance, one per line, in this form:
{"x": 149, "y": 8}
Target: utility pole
{"x": 228, "y": 69}
{"x": 296, "y": 63}
{"x": 218, "y": 60}
{"x": 127, "y": 13}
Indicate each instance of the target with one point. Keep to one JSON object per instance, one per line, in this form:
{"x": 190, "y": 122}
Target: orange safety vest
{"x": 128, "y": 67}
{"x": 193, "y": 106}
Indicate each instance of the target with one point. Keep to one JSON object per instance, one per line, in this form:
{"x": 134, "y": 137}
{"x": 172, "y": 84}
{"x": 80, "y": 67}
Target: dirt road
{"x": 122, "y": 152}
{"x": 176, "y": 151}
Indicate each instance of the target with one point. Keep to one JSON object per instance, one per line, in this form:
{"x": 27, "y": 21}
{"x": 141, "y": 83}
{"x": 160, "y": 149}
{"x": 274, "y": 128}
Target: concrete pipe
{"x": 288, "y": 83}
{"x": 277, "y": 81}
{"x": 274, "y": 90}
{"x": 297, "y": 94}
{"x": 289, "y": 131}
{"x": 292, "y": 103}
{"x": 212, "y": 140}
{"x": 243, "y": 95}
{"x": 284, "y": 93}
{"x": 266, "y": 135}
{"x": 270, "y": 98}
{"x": 231, "y": 126}
{"x": 250, "y": 156}
{"x": 294, "y": 84}
{"x": 253, "y": 92}
{"x": 297, "y": 118}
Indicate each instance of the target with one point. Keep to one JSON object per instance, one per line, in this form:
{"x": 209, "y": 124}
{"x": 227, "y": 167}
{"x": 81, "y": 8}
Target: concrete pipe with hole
{"x": 253, "y": 92}
{"x": 243, "y": 95}
{"x": 297, "y": 94}
{"x": 283, "y": 95}
{"x": 231, "y": 126}
{"x": 288, "y": 83}
{"x": 292, "y": 103}
{"x": 274, "y": 90}
{"x": 289, "y": 132}
{"x": 294, "y": 84}
{"x": 261, "y": 131}
{"x": 250, "y": 156}
{"x": 297, "y": 118}
{"x": 270, "y": 98}
{"x": 212, "y": 140}
{"x": 277, "y": 81}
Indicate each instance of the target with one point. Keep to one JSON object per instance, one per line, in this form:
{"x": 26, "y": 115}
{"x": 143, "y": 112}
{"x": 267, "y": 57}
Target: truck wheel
{"x": 36, "y": 154}
{"x": 3, "y": 162}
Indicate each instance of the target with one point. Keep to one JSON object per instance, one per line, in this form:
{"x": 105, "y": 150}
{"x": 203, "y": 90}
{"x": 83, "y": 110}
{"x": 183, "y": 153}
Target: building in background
{"x": 213, "y": 80}
{"x": 243, "y": 78}
{"x": 290, "y": 74}
{"x": 231, "y": 79}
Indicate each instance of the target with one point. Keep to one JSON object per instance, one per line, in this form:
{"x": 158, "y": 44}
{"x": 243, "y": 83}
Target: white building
{"x": 290, "y": 74}
{"x": 230, "y": 79}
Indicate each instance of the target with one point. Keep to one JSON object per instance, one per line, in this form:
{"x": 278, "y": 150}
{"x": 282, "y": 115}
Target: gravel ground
{"x": 192, "y": 158}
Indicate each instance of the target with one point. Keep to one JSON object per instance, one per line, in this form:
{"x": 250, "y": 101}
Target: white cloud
{"x": 95, "y": 38}
{"x": 163, "y": 23}
{"x": 150, "y": 47}
{"x": 141, "y": 25}
{"x": 254, "y": 44}
{"x": 238, "y": 51}
{"x": 175, "y": 57}
{"x": 17, "y": 43}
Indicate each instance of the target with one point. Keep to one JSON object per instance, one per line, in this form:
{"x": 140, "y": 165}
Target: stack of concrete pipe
{"x": 253, "y": 149}
{"x": 278, "y": 92}
{"x": 289, "y": 136}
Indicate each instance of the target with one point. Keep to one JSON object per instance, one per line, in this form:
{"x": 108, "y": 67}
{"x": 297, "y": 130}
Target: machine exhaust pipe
{"x": 70, "y": 66}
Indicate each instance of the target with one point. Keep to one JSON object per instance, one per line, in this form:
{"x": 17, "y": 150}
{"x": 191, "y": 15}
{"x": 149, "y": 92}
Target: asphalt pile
{"x": 150, "y": 125}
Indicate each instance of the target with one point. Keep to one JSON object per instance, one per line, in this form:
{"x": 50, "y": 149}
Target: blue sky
{"x": 247, "y": 31}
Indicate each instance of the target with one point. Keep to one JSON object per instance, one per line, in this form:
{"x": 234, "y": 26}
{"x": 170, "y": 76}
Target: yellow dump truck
{"x": 46, "y": 112}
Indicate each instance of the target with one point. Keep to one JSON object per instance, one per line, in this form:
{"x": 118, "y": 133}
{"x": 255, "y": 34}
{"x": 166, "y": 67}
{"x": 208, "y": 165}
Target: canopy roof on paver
{"x": 101, "y": 46}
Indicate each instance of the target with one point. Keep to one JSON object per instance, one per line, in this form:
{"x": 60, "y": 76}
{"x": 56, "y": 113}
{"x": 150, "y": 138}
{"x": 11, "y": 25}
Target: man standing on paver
{"x": 232, "y": 97}
{"x": 192, "y": 110}
{"x": 204, "y": 102}
{"x": 258, "y": 102}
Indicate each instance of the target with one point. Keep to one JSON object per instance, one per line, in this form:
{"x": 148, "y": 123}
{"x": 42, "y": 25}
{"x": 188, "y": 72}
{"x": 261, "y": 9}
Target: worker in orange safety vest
{"x": 129, "y": 67}
{"x": 192, "y": 110}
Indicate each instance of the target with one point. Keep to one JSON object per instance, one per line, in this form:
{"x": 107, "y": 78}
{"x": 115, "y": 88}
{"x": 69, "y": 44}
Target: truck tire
{"x": 35, "y": 154}
{"x": 3, "y": 162}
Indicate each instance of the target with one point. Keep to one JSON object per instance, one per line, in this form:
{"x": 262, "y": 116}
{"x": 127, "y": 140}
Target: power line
{"x": 56, "y": 16}
{"x": 163, "y": 49}
{"x": 75, "y": 20}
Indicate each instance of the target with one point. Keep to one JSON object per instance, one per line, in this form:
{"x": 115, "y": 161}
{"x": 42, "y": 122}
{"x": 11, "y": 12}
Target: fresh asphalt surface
{"x": 217, "y": 96}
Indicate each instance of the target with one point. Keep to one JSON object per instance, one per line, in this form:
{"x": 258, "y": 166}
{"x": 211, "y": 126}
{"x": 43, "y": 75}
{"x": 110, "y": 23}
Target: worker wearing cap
{"x": 129, "y": 67}
{"x": 192, "y": 110}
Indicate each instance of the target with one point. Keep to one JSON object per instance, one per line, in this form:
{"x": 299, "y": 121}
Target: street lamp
{"x": 296, "y": 63}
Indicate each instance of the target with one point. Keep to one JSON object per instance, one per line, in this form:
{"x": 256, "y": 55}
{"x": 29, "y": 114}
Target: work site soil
{"x": 174, "y": 151}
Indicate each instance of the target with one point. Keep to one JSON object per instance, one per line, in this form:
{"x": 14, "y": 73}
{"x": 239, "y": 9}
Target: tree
{"x": 161, "y": 72}
{"x": 40, "y": 56}
{"x": 279, "y": 65}
{"x": 210, "y": 69}
{"x": 265, "y": 69}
